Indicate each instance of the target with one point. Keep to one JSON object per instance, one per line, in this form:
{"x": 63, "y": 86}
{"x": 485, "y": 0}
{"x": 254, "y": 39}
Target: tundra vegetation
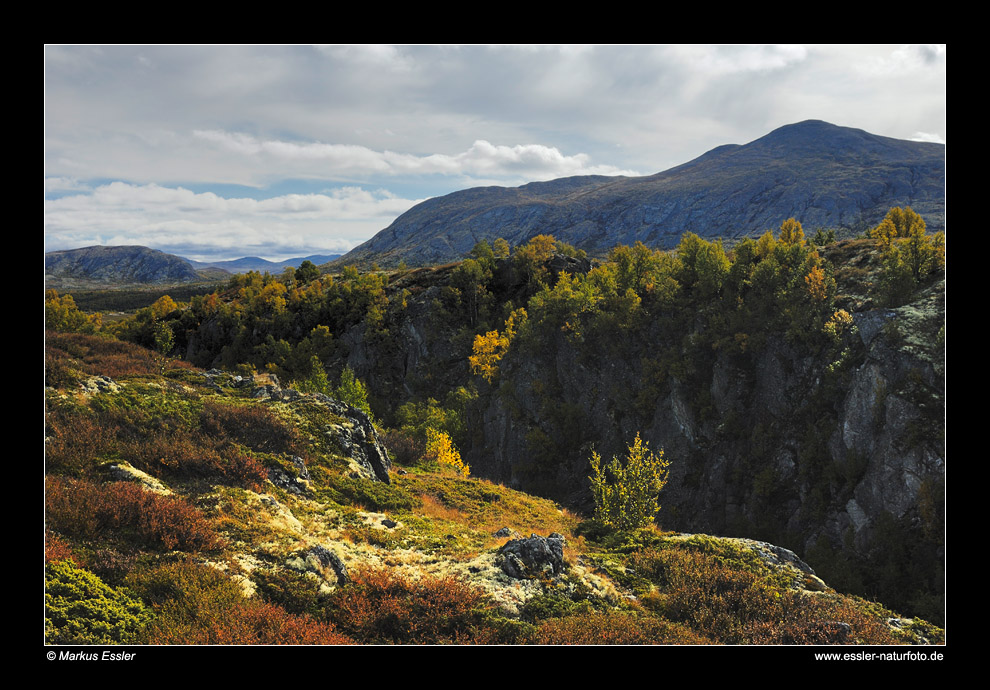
{"x": 185, "y": 506}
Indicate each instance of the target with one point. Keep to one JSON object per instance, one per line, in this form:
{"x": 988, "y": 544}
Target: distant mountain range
{"x": 824, "y": 175}
{"x": 254, "y": 263}
{"x": 102, "y": 266}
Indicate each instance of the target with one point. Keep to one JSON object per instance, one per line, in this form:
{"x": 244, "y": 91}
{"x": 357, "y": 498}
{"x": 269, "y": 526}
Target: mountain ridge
{"x": 102, "y": 265}
{"x": 822, "y": 174}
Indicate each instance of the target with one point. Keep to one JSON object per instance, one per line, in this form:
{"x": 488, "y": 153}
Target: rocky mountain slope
{"x": 99, "y": 265}
{"x": 824, "y": 175}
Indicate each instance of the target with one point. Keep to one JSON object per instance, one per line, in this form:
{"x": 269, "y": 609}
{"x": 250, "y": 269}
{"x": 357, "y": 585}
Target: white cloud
{"x": 64, "y": 184}
{"x": 171, "y": 217}
{"x": 533, "y": 161}
{"x": 905, "y": 60}
{"x": 733, "y": 59}
{"x": 927, "y": 136}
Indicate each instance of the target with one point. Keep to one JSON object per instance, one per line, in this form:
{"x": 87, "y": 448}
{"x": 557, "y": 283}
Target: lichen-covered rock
{"x": 100, "y": 384}
{"x": 322, "y": 561}
{"x": 294, "y": 479}
{"x": 535, "y": 556}
{"x": 357, "y": 438}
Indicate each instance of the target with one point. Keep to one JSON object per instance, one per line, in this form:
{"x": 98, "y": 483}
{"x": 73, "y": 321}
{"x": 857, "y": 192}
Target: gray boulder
{"x": 533, "y": 557}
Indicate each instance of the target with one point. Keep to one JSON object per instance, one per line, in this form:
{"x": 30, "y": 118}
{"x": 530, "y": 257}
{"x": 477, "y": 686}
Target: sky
{"x": 281, "y": 151}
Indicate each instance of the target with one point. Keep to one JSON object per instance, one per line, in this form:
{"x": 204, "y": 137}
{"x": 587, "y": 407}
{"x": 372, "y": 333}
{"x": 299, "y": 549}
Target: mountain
{"x": 255, "y": 263}
{"x": 116, "y": 265}
{"x": 822, "y": 174}
{"x": 102, "y": 266}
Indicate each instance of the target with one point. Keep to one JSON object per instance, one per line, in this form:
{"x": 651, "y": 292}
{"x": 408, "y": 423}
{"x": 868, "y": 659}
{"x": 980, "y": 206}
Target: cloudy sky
{"x": 216, "y": 152}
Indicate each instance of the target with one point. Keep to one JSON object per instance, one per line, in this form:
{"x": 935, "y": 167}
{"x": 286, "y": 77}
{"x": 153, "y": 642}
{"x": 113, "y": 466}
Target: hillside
{"x": 203, "y": 507}
{"x": 125, "y": 265}
{"x": 823, "y": 175}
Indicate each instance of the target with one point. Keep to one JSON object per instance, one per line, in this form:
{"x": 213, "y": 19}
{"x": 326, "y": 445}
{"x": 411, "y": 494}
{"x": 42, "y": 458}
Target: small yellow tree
{"x": 489, "y": 348}
{"x": 627, "y": 495}
{"x": 791, "y": 232}
{"x": 440, "y": 449}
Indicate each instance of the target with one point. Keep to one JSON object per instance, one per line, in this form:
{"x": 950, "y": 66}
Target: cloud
{"x": 927, "y": 136}
{"x": 64, "y": 184}
{"x": 905, "y": 60}
{"x": 169, "y": 217}
{"x": 532, "y": 161}
{"x": 734, "y": 59}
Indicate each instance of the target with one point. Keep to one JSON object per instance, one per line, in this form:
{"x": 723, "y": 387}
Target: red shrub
{"x": 255, "y": 427}
{"x": 74, "y": 441}
{"x": 381, "y": 607}
{"x": 57, "y": 549}
{"x": 87, "y": 510}
{"x": 97, "y": 355}
{"x": 186, "y": 454}
{"x": 735, "y": 606}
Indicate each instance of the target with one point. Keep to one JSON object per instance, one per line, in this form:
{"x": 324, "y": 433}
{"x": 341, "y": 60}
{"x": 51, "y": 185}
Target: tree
{"x": 439, "y": 448}
{"x": 62, "y": 314}
{"x": 627, "y": 495}
{"x": 306, "y": 272}
{"x": 791, "y": 232}
{"x": 352, "y": 391}
{"x": 489, "y": 348}
{"x": 500, "y": 248}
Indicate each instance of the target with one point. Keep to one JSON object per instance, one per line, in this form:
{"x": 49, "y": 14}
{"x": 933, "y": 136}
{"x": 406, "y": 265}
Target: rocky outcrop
{"x": 322, "y": 561}
{"x": 351, "y": 429}
{"x": 534, "y": 557}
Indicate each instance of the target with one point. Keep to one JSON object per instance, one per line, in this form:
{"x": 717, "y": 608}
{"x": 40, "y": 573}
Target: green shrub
{"x": 197, "y": 604}
{"x": 627, "y": 495}
{"x": 82, "y": 609}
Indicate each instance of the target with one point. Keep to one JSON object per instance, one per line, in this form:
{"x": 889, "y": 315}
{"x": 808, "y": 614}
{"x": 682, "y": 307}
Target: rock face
{"x": 358, "y": 438}
{"x": 116, "y": 265}
{"x": 823, "y": 175}
{"x": 783, "y": 444}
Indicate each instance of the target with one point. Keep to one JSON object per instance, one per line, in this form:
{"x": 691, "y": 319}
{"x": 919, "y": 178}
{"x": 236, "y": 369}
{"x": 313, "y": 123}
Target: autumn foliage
{"x": 86, "y": 510}
{"x": 380, "y": 606}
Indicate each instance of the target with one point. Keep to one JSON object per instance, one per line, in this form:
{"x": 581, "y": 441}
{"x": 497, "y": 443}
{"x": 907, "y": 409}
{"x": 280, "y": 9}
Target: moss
{"x": 367, "y": 493}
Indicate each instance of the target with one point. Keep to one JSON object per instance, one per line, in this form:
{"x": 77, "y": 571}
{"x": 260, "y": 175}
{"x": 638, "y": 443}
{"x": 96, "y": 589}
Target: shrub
{"x": 732, "y": 605}
{"x": 381, "y": 607}
{"x": 626, "y": 496}
{"x": 403, "y": 447}
{"x": 82, "y": 609}
{"x": 198, "y": 604}
{"x": 87, "y": 510}
{"x": 105, "y": 356}
{"x": 613, "y": 627}
{"x": 57, "y": 549}
{"x": 253, "y": 426}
